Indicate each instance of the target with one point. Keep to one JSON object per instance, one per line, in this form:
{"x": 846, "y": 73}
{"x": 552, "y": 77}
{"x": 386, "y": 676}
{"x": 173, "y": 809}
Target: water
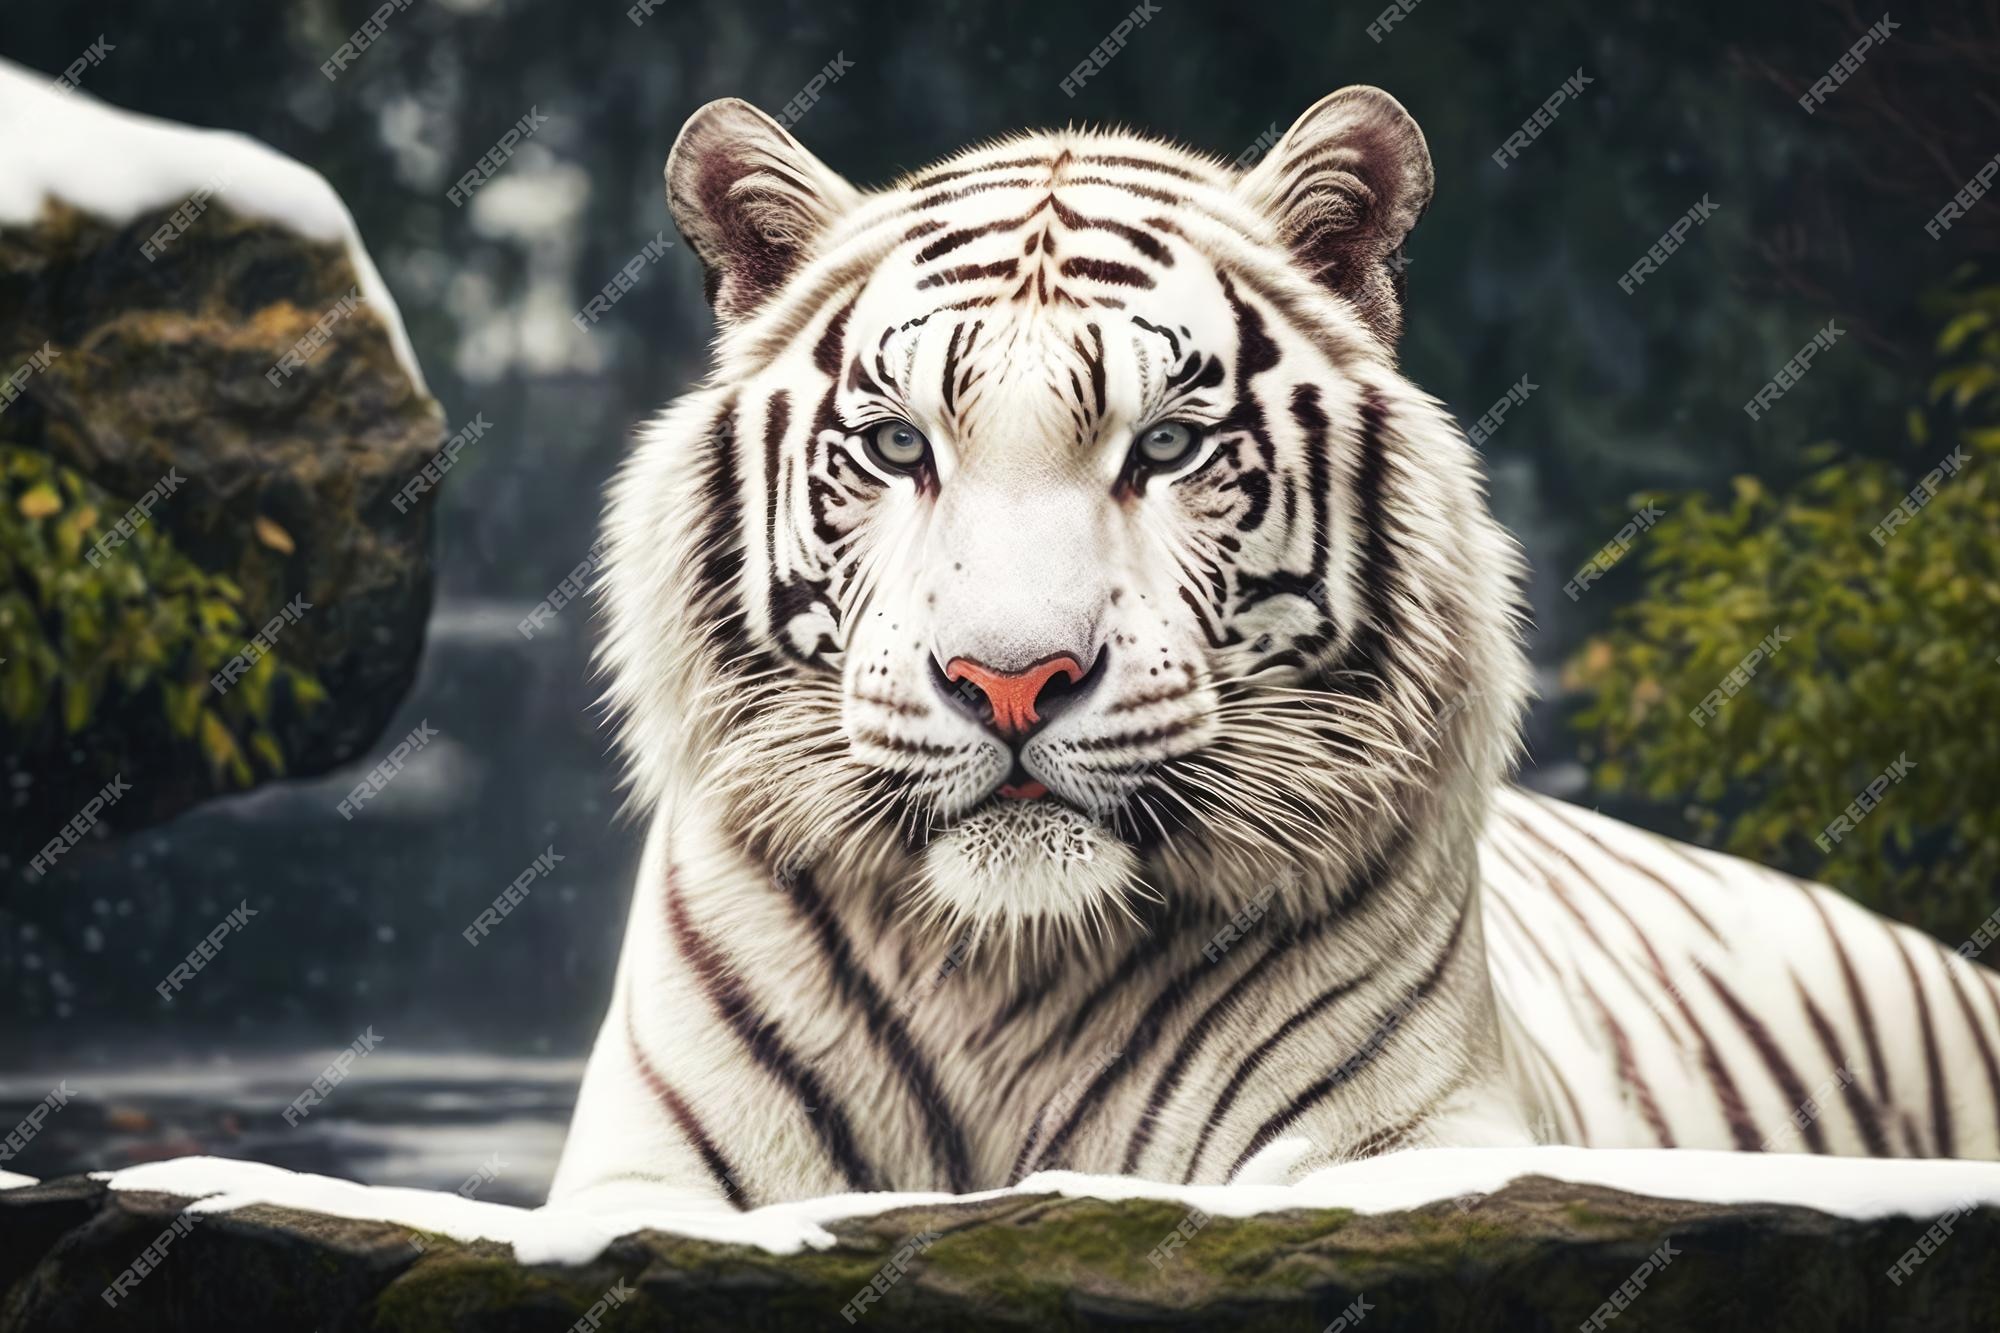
{"x": 493, "y": 1124}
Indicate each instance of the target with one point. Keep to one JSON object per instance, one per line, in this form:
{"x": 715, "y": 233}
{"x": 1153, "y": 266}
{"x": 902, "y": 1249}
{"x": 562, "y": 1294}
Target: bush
{"x": 144, "y": 622}
{"x": 1890, "y": 650}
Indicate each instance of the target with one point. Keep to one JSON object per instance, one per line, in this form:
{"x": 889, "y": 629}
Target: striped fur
{"x": 1277, "y": 907}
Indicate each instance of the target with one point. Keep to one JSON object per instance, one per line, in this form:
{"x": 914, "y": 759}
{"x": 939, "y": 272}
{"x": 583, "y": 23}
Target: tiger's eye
{"x": 898, "y": 446}
{"x": 1166, "y": 443}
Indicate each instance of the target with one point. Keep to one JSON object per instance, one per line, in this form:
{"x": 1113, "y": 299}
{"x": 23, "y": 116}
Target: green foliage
{"x": 1892, "y": 650}
{"x": 144, "y": 623}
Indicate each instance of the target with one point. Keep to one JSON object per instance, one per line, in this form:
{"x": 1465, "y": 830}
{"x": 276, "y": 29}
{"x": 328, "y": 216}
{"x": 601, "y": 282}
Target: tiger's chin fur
{"x": 1070, "y": 673}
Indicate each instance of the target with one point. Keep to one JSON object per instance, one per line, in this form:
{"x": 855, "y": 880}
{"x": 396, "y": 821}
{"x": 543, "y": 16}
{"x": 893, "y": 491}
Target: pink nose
{"x": 1013, "y": 694}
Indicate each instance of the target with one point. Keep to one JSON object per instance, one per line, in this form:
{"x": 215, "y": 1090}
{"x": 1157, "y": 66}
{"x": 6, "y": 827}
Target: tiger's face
{"x": 1059, "y": 536}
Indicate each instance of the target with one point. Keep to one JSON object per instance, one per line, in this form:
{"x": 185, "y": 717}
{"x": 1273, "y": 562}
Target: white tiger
{"x": 1073, "y": 677}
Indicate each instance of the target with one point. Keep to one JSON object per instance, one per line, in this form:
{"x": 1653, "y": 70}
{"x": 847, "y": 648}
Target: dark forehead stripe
{"x": 950, "y": 241}
{"x": 1105, "y": 270}
{"x": 1140, "y": 240}
{"x": 964, "y": 273}
{"x": 935, "y": 178}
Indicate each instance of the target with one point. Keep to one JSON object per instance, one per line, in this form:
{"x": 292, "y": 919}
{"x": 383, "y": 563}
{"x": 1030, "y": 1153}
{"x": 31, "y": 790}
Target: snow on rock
{"x": 115, "y": 165}
{"x": 577, "y": 1231}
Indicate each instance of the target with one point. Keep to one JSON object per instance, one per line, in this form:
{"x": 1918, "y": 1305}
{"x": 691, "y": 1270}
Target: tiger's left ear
{"x": 1345, "y": 186}
{"x": 750, "y": 201}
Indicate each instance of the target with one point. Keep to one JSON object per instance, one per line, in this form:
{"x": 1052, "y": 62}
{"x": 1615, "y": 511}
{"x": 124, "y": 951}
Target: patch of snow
{"x": 114, "y": 165}
{"x": 575, "y": 1231}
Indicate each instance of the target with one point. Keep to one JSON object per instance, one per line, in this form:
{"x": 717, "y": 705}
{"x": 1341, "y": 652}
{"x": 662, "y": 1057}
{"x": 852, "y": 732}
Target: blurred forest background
{"x": 1638, "y": 398}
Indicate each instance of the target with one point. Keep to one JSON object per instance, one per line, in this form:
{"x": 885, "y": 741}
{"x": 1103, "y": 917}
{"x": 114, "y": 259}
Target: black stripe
{"x": 1384, "y": 1032}
{"x": 1864, "y": 1016}
{"x": 1628, "y": 1067}
{"x": 1781, "y": 1069}
{"x": 685, "y": 1119}
{"x": 719, "y": 571}
{"x": 1145, "y": 1034}
{"x": 1727, "y": 1093}
{"x": 859, "y": 989}
{"x": 1105, "y": 270}
{"x": 951, "y": 277}
{"x": 759, "y": 1035}
{"x": 937, "y": 178}
{"x": 952, "y": 196}
{"x": 1558, "y": 809}
{"x": 1141, "y": 241}
{"x": 1940, "y": 1104}
{"x": 1170, "y": 1077}
{"x": 1858, "y": 1105}
{"x": 1138, "y": 163}
{"x": 1145, "y": 950}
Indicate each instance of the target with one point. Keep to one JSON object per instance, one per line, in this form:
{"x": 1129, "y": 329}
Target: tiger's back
{"x": 1654, "y": 994}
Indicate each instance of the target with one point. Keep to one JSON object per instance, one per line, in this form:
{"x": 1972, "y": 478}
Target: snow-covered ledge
{"x": 1536, "y": 1238}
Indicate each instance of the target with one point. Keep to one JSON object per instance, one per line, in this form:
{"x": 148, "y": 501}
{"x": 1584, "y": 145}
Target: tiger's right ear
{"x": 750, "y": 201}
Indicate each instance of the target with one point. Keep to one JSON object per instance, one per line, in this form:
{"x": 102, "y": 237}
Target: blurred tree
{"x": 1886, "y": 587}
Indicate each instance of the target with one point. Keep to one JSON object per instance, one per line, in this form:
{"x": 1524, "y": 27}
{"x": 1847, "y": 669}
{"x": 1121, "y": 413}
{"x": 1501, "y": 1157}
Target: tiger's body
{"x": 1074, "y": 675}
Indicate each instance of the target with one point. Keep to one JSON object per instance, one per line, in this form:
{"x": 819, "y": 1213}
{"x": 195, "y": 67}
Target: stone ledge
{"x": 1539, "y": 1254}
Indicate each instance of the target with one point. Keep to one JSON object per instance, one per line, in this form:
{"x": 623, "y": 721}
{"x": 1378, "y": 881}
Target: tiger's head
{"x": 1055, "y": 535}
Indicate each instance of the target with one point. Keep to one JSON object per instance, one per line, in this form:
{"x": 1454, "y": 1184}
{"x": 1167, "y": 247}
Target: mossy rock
{"x": 161, "y": 366}
{"x": 1538, "y": 1255}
